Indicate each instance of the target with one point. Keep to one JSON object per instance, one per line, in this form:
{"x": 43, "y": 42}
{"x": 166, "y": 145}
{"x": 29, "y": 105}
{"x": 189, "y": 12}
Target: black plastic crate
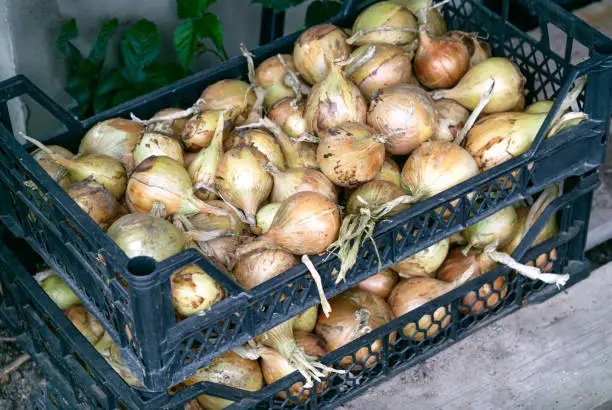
{"x": 160, "y": 351}
{"x": 79, "y": 377}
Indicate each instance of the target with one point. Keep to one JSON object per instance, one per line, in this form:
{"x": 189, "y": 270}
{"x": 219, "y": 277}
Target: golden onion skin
{"x": 385, "y": 14}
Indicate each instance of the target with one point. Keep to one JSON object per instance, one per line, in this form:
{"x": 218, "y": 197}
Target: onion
{"x": 549, "y": 230}
{"x": 112, "y": 355}
{"x": 294, "y": 180}
{"x": 212, "y": 222}
{"x": 56, "y": 289}
{"x": 194, "y": 291}
{"x": 384, "y": 23}
{"x": 406, "y": 114}
{"x": 260, "y": 140}
{"x": 412, "y": 293}
{"x": 310, "y": 343}
{"x": 189, "y": 157}
{"x": 389, "y": 172}
{"x": 96, "y": 200}
{"x": 115, "y": 137}
{"x": 373, "y": 67}
{"x": 540, "y": 107}
{"x": 332, "y": 102}
{"x": 255, "y": 268}
{"x": 235, "y": 96}
{"x": 230, "y": 370}
{"x": 451, "y": 119}
{"x": 55, "y": 170}
{"x": 85, "y": 323}
{"x": 162, "y": 179}
{"x": 172, "y": 128}
{"x": 203, "y": 168}
{"x": 200, "y": 130}
{"x": 270, "y": 74}
{"x": 354, "y": 314}
{"x": 372, "y": 195}
{"x": 242, "y": 182}
{"x": 290, "y": 119}
{"x": 306, "y": 321}
{"x": 507, "y": 92}
{"x": 500, "y": 137}
{"x": 435, "y": 167}
{"x": 192, "y": 405}
{"x": 103, "y": 169}
{"x": 222, "y": 251}
{"x": 440, "y": 62}
{"x": 146, "y": 235}
{"x": 497, "y": 229}
{"x": 423, "y": 263}
{"x": 156, "y": 144}
{"x": 265, "y": 216}
{"x": 316, "y": 48}
{"x": 380, "y": 284}
{"x": 478, "y": 50}
{"x": 350, "y": 154}
{"x": 427, "y": 14}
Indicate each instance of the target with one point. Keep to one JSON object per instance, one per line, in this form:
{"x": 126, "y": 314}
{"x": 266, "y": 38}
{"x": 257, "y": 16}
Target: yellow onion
{"x": 540, "y": 107}
{"x": 55, "y": 170}
{"x": 332, "y": 102}
{"x": 265, "y": 216}
{"x": 146, "y": 235}
{"x": 387, "y": 65}
{"x": 192, "y": 405}
{"x": 194, "y": 291}
{"x": 56, "y": 289}
{"x": 389, "y": 172}
{"x": 426, "y": 14}
{"x": 412, "y": 293}
{"x": 270, "y": 74}
{"x": 289, "y": 118}
{"x": 172, "y": 128}
{"x": 354, "y": 314}
{"x": 294, "y": 180}
{"x": 310, "y": 343}
{"x": 100, "y": 168}
{"x": 373, "y": 195}
{"x": 384, "y": 23}
{"x": 350, "y": 154}
{"x": 203, "y": 168}
{"x": 500, "y": 137}
{"x": 162, "y": 179}
{"x": 212, "y": 222}
{"x": 498, "y": 229}
{"x": 451, "y": 119}
{"x": 440, "y": 62}
{"x": 200, "y": 130}
{"x": 156, "y": 144}
{"x": 222, "y": 251}
{"x": 380, "y": 284}
{"x": 508, "y": 90}
{"x": 306, "y": 321}
{"x": 189, "y": 157}
{"x": 423, "y": 263}
{"x": 230, "y": 370}
{"x": 456, "y": 264}
{"x": 85, "y": 323}
{"x": 478, "y": 50}
{"x": 112, "y": 354}
{"x": 96, "y": 200}
{"x": 549, "y": 230}
{"x": 254, "y": 268}
{"x": 260, "y": 140}
{"x": 241, "y": 180}
{"x": 297, "y": 154}
{"x": 235, "y": 96}
{"x": 316, "y": 48}
{"x": 406, "y": 114}
{"x": 435, "y": 167}
{"x": 115, "y": 137}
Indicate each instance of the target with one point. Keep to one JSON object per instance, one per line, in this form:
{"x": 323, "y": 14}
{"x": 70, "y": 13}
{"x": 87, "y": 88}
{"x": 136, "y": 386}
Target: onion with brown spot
{"x": 194, "y": 291}
{"x": 235, "y": 96}
{"x": 200, "y": 130}
{"x": 259, "y": 139}
{"x": 96, "y": 201}
{"x": 156, "y": 144}
{"x": 55, "y": 170}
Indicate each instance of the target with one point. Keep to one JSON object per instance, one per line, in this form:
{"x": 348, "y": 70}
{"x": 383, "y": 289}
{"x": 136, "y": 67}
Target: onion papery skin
{"x": 156, "y": 144}
{"x": 549, "y": 230}
{"x": 233, "y": 95}
{"x": 412, "y": 293}
{"x": 51, "y": 167}
{"x": 115, "y": 137}
{"x": 171, "y": 128}
{"x": 341, "y": 327}
{"x": 200, "y": 130}
{"x": 457, "y": 264}
{"x": 100, "y": 168}
{"x": 385, "y": 14}
{"x": 222, "y": 251}
{"x": 390, "y": 172}
{"x": 508, "y": 91}
{"x": 435, "y": 167}
{"x": 290, "y": 120}
{"x": 259, "y": 266}
{"x": 211, "y": 222}
{"x": 440, "y": 62}
{"x": 500, "y": 137}
{"x": 375, "y": 193}
{"x": 423, "y": 263}
{"x": 406, "y": 114}
{"x": 388, "y": 65}
{"x": 317, "y": 48}
{"x": 266, "y": 215}
{"x": 146, "y": 235}
{"x": 332, "y": 102}
{"x": 85, "y": 323}
{"x": 194, "y": 291}
{"x": 231, "y": 370}
{"x": 451, "y": 119}
{"x": 294, "y": 180}
{"x": 259, "y": 139}
{"x": 305, "y": 224}
{"x": 242, "y": 181}
{"x": 431, "y": 17}
{"x": 306, "y": 321}
{"x": 59, "y": 292}
{"x": 270, "y": 75}
{"x": 498, "y": 229}
{"x": 540, "y": 107}
{"x": 350, "y": 154}
{"x": 478, "y": 50}
{"x": 380, "y": 284}
{"x": 96, "y": 201}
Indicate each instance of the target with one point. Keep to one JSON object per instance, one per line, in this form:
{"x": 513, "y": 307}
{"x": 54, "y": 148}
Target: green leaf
{"x": 126, "y": 95}
{"x": 278, "y": 5}
{"x": 184, "y": 43}
{"x": 68, "y": 32}
{"x": 98, "y": 51}
{"x": 321, "y": 11}
{"x": 111, "y": 82}
{"x": 188, "y": 9}
{"x": 209, "y": 27}
{"x": 162, "y": 74}
{"x": 101, "y": 102}
{"x": 139, "y": 48}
